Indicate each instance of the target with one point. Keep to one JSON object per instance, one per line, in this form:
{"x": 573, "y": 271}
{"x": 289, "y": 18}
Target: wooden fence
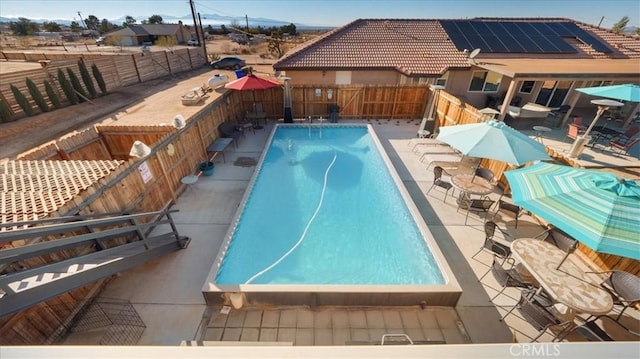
{"x": 117, "y": 70}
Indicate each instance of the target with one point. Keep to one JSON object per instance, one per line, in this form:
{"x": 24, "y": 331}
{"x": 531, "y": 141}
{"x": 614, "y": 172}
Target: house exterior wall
{"x": 357, "y": 77}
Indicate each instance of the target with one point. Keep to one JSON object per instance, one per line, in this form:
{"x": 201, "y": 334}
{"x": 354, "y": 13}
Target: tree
{"x": 129, "y": 20}
{"x": 23, "y": 27}
{"x": 275, "y": 44}
{"x": 75, "y": 83}
{"x": 92, "y": 22}
{"x": 51, "y": 27}
{"x": 106, "y": 26}
{"x": 22, "y": 100}
{"x": 99, "y": 79}
{"x": 67, "y": 88}
{"x": 53, "y": 96}
{"x": 637, "y": 30}
{"x": 290, "y": 29}
{"x": 86, "y": 79}
{"x": 168, "y": 42}
{"x": 619, "y": 26}
{"x": 75, "y": 27}
{"x": 36, "y": 95}
{"x": 155, "y": 19}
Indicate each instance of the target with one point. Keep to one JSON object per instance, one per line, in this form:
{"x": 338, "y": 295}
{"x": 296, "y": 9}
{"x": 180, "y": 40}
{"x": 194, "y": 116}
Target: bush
{"x": 75, "y": 82}
{"x": 5, "y": 112}
{"x": 53, "y": 96}
{"x": 67, "y": 88}
{"x": 99, "y": 79}
{"x": 86, "y": 78}
{"x": 36, "y": 95}
{"x": 22, "y": 100}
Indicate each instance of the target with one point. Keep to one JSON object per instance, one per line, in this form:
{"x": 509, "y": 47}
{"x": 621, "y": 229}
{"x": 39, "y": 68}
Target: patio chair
{"x": 536, "y": 311}
{"x": 623, "y": 147}
{"x": 509, "y": 277}
{"x": 230, "y": 130}
{"x": 509, "y": 207}
{"x": 574, "y": 130}
{"x": 593, "y": 332}
{"x": 485, "y": 173}
{"x": 492, "y": 246}
{"x": 478, "y": 206}
{"x": 624, "y": 288}
{"x": 555, "y": 117}
{"x": 439, "y": 182}
{"x": 560, "y": 239}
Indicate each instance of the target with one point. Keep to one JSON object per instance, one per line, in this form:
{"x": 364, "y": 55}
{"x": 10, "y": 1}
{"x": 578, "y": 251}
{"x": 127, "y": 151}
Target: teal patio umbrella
{"x": 626, "y": 92}
{"x": 596, "y": 208}
{"x": 494, "y": 140}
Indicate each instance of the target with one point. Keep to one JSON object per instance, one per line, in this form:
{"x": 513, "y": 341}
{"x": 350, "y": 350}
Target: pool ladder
{"x": 311, "y": 121}
{"x": 399, "y": 339}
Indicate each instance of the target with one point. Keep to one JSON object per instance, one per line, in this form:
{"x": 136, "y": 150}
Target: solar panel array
{"x": 513, "y": 36}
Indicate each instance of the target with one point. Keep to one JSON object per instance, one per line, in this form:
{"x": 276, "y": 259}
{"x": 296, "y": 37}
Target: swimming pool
{"x": 325, "y": 216}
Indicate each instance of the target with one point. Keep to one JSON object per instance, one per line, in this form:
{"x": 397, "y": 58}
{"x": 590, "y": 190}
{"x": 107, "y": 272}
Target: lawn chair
{"x": 575, "y": 130}
{"x": 439, "y": 182}
{"x": 624, "y": 146}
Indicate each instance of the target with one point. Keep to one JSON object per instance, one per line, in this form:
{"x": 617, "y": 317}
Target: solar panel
{"x": 518, "y": 37}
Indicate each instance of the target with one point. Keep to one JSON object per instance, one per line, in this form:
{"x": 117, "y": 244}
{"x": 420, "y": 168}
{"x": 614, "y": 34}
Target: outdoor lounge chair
{"x": 624, "y": 147}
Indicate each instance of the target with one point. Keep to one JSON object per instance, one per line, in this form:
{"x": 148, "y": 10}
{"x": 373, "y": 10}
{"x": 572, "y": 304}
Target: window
{"x": 553, "y": 93}
{"x": 442, "y": 81}
{"x": 485, "y": 81}
{"x": 527, "y": 86}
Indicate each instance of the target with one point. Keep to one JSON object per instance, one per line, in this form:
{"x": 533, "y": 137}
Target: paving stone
{"x": 304, "y": 319}
{"x": 340, "y": 319}
{"x": 304, "y": 336}
{"x": 392, "y": 319}
{"x": 287, "y": 335}
{"x": 446, "y": 319}
{"x": 358, "y": 335}
{"x": 357, "y": 319}
{"x": 409, "y": 319}
{"x": 375, "y": 319}
{"x": 250, "y": 335}
{"x": 288, "y": 318}
{"x": 218, "y": 320}
{"x": 433, "y": 334}
{"x": 341, "y": 336}
{"x": 453, "y": 336}
{"x": 268, "y": 334}
{"x": 414, "y": 333}
{"x": 253, "y": 319}
{"x": 213, "y": 334}
{"x": 231, "y": 334}
{"x": 322, "y": 319}
{"x": 235, "y": 319}
{"x": 270, "y": 318}
{"x": 427, "y": 319}
{"x": 322, "y": 337}
{"x": 376, "y": 334}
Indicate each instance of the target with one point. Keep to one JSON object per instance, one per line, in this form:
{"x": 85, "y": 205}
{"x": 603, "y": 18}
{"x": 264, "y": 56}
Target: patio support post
{"x": 428, "y": 115}
{"x": 507, "y": 99}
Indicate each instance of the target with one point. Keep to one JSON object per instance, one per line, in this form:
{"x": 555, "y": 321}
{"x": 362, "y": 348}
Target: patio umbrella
{"x": 596, "y": 208}
{"x": 494, "y": 140}
{"x": 252, "y": 83}
{"x": 626, "y": 92}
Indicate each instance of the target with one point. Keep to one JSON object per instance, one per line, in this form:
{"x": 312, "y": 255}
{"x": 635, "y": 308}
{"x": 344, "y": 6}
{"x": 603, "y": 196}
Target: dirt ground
{"x": 152, "y": 102}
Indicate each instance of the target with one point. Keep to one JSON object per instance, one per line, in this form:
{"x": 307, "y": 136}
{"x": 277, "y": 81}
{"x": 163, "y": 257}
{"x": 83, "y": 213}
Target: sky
{"x": 332, "y": 12}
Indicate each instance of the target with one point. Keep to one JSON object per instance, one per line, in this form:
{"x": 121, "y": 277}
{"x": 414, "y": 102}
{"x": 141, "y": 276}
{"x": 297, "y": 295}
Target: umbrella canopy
{"x": 251, "y": 82}
{"x": 494, "y": 140}
{"x": 626, "y": 92}
{"x": 597, "y": 208}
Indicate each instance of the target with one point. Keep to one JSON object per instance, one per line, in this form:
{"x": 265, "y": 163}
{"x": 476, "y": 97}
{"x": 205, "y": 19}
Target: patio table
{"x": 568, "y": 285}
{"x": 469, "y": 183}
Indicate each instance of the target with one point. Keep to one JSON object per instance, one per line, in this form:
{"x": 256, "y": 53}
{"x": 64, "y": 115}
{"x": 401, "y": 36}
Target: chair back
{"x": 562, "y": 240}
{"x": 489, "y": 229}
{"x": 577, "y": 121}
{"x": 437, "y": 173}
{"x": 485, "y": 173}
{"x": 625, "y": 284}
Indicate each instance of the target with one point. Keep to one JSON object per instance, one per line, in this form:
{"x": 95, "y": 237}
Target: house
{"x": 134, "y": 35}
{"x": 487, "y": 62}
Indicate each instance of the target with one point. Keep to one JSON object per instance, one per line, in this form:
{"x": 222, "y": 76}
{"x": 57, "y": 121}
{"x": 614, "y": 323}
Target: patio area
{"x": 166, "y": 293}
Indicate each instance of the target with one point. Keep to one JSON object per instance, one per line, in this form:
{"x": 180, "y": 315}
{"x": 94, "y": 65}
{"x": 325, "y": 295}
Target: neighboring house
{"x": 520, "y": 59}
{"x": 134, "y": 35}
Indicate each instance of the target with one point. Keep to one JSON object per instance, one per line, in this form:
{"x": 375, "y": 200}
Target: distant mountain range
{"x": 207, "y": 19}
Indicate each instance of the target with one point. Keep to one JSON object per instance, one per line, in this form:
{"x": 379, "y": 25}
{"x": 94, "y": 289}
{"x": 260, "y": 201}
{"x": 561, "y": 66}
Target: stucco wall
{"x": 329, "y": 77}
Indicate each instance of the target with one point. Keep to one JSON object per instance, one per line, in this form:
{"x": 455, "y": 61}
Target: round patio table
{"x": 540, "y": 130}
{"x": 472, "y": 184}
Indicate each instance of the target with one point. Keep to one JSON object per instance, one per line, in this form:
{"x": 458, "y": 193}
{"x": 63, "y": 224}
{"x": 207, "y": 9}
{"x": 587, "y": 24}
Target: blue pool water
{"x": 326, "y": 197}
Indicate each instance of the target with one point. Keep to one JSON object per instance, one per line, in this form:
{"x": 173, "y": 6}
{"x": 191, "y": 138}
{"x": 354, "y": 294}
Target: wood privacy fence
{"x": 176, "y": 153}
{"x": 117, "y": 70}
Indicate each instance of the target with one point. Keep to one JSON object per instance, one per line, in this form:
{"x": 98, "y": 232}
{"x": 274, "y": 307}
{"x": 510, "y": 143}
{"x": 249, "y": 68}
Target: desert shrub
{"x": 22, "y": 100}
{"x": 99, "y": 79}
{"x": 86, "y": 78}
{"x": 75, "y": 82}
{"x": 53, "y": 96}
{"x": 5, "y": 113}
{"x": 36, "y": 95}
{"x": 67, "y": 88}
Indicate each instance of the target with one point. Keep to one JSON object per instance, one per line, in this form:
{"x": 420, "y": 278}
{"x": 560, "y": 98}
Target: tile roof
{"x": 34, "y": 189}
{"x": 417, "y": 47}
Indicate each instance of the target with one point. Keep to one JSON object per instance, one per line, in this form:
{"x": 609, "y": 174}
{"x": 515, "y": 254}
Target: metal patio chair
{"x": 439, "y": 182}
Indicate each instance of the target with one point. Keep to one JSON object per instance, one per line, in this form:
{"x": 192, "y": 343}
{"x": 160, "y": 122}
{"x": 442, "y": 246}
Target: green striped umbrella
{"x": 597, "y": 208}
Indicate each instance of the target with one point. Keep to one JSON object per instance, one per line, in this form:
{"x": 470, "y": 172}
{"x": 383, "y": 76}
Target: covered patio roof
{"x": 544, "y": 69}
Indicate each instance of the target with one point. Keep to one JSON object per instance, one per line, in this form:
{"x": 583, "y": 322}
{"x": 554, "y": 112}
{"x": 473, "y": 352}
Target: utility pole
{"x": 195, "y": 23}
{"x": 204, "y": 42}
{"x": 246, "y": 19}
{"x": 84, "y": 24}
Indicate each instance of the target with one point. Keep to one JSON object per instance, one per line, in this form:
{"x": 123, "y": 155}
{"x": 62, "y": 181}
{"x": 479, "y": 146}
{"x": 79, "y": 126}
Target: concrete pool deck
{"x": 167, "y": 295}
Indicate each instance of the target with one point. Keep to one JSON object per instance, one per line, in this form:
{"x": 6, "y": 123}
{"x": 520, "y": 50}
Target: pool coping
{"x": 446, "y": 294}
